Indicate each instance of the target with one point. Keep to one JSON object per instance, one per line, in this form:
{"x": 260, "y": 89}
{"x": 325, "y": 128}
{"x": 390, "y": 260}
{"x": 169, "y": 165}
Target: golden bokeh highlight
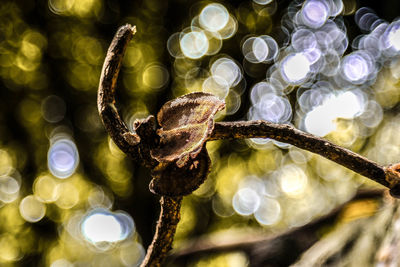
{"x": 46, "y": 189}
{"x": 31, "y": 209}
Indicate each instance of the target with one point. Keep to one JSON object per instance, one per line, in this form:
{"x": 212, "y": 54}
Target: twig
{"x": 386, "y": 176}
{"x": 113, "y": 123}
{"x": 165, "y": 231}
{"x": 133, "y": 145}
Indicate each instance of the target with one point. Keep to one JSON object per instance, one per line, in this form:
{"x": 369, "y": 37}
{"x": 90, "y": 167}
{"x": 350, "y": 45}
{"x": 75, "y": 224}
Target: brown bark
{"x": 386, "y": 176}
{"x": 165, "y": 231}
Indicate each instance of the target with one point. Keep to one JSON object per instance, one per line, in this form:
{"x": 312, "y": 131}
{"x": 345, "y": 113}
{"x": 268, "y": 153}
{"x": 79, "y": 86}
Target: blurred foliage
{"x": 58, "y": 166}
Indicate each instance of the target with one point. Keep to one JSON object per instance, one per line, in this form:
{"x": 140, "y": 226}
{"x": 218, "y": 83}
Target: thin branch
{"x": 386, "y": 176}
{"x": 165, "y": 231}
{"x": 113, "y": 123}
{"x": 133, "y": 145}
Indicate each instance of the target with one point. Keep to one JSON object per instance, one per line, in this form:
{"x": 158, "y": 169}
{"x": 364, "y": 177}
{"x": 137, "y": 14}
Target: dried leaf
{"x": 171, "y": 180}
{"x": 186, "y": 123}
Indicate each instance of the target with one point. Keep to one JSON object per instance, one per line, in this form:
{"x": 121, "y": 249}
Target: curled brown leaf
{"x": 186, "y": 122}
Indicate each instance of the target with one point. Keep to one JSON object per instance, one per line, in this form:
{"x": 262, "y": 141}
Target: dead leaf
{"x": 186, "y": 122}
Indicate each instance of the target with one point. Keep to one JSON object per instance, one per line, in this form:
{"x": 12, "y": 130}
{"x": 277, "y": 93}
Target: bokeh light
{"x": 390, "y": 40}
{"x": 394, "y": 36}
{"x": 61, "y": 263}
{"x": 155, "y": 76}
{"x": 10, "y": 186}
{"x": 314, "y": 13}
{"x": 214, "y": 17}
{"x": 293, "y": 180}
{"x": 228, "y": 70}
{"x": 102, "y": 226}
{"x": 10, "y": 250}
{"x": 98, "y": 197}
{"x": 31, "y": 209}
{"x": 272, "y": 108}
{"x": 194, "y": 44}
{"x": 321, "y": 119}
{"x": 357, "y": 67}
{"x": 295, "y": 68}
{"x": 46, "y": 188}
{"x": 365, "y": 18}
{"x": 262, "y": 49}
{"x": 246, "y": 201}
{"x": 269, "y": 211}
{"x": 230, "y": 29}
{"x": 132, "y": 253}
{"x": 86, "y": 8}
{"x": 67, "y": 195}
{"x": 262, "y": 2}
{"x": 63, "y": 158}
{"x": 217, "y": 86}
{"x": 269, "y": 104}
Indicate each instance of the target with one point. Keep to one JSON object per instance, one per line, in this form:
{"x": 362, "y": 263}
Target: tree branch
{"x": 140, "y": 142}
{"x": 113, "y": 123}
{"x": 136, "y": 144}
{"x": 386, "y": 176}
{"x": 165, "y": 231}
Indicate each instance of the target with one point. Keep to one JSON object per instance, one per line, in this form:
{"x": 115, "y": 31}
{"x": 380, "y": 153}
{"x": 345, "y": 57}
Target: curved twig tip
{"x": 112, "y": 121}
{"x": 129, "y": 27}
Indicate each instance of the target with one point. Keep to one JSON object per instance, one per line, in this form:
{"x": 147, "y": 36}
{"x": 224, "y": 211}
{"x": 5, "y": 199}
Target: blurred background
{"x": 70, "y": 197}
